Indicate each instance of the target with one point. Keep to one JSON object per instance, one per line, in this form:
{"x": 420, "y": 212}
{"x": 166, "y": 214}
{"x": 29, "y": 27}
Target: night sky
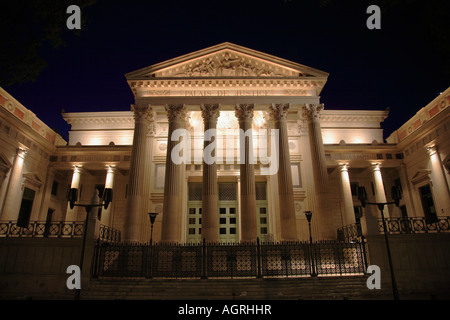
{"x": 403, "y": 66}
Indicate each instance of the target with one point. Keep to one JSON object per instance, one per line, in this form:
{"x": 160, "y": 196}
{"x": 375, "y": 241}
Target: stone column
{"x": 348, "y": 212}
{"x": 210, "y": 224}
{"x": 109, "y": 183}
{"x": 288, "y": 222}
{"x": 440, "y": 188}
{"x": 326, "y": 228}
{"x": 12, "y": 199}
{"x": 171, "y": 219}
{"x": 249, "y": 232}
{"x": 142, "y": 118}
{"x": 147, "y": 177}
{"x": 380, "y": 195}
{"x": 72, "y": 214}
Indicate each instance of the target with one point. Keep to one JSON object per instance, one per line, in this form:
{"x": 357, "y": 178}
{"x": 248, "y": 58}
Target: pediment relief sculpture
{"x": 227, "y": 64}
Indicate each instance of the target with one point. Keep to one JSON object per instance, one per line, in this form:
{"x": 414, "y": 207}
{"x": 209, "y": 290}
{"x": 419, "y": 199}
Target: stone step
{"x": 274, "y": 288}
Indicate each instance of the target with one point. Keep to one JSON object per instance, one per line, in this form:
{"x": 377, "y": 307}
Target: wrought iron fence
{"x": 350, "y": 232}
{"x": 415, "y": 225}
{"x": 59, "y": 229}
{"x": 397, "y": 226}
{"x": 109, "y": 234}
{"x": 245, "y": 260}
{"x": 42, "y": 229}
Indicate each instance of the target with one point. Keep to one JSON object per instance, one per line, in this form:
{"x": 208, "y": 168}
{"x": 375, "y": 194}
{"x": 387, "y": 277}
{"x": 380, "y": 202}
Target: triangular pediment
{"x": 226, "y": 60}
{"x": 421, "y": 175}
{"x": 33, "y": 178}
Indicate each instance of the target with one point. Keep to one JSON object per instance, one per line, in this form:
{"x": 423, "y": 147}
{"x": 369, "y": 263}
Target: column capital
{"x": 244, "y": 111}
{"x": 210, "y": 112}
{"x": 176, "y": 112}
{"x": 344, "y": 166}
{"x": 312, "y": 111}
{"x": 431, "y": 150}
{"x": 77, "y": 168}
{"x": 110, "y": 168}
{"x": 376, "y": 166}
{"x": 21, "y": 153}
{"x": 279, "y": 111}
{"x": 142, "y": 112}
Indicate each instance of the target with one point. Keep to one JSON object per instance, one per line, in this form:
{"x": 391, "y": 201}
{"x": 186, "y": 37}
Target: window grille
{"x": 195, "y": 191}
{"x": 260, "y": 189}
{"x": 227, "y": 192}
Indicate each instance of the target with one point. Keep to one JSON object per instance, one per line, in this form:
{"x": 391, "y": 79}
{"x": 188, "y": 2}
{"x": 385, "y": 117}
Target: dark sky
{"x": 403, "y": 66}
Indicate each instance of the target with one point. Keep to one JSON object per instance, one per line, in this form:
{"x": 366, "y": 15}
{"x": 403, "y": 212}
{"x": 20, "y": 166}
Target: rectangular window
{"x": 354, "y": 187}
{"x": 55, "y": 188}
{"x": 428, "y": 204}
{"x": 25, "y": 208}
{"x": 296, "y": 175}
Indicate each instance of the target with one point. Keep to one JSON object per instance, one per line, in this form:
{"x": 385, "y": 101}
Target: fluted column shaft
{"x": 326, "y": 228}
{"x": 285, "y": 188}
{"x": 249, "y": 232}
{"x": 210, "y": 224}
{"x": 348, "y": 216}
{"x": 12, "y": 203}
{"x": 171, "y": 220}
{"x": 317, "y": 150}
{"x": 142, "y": 119}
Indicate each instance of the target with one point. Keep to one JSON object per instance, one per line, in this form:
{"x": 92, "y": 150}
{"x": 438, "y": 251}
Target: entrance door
{"x": 194, "y": 210}
{"x": 228, "y": 213}
{"x": 262, "y": 215}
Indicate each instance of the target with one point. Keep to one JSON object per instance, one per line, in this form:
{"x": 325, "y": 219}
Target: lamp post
{"x": 72, "y": 199}
{"x": 152, "y": 216}
{"x": 308, "y": 215}
{"x": 396, "y": 195}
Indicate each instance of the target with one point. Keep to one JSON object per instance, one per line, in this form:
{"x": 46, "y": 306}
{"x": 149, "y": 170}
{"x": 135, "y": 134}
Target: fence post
{"x": 258, "y": 257}
{"x": 204, "y": 255}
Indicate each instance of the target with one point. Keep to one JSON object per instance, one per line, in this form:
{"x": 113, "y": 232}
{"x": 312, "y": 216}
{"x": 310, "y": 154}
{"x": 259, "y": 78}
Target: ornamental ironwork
{"x": 243, "y": 260}
{"x": 415, "y": 225}
{"x": 42, "y": 229}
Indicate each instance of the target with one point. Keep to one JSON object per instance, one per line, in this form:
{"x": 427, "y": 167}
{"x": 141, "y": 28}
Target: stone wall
{"x": 421, "y": 262}
{"x": 36, "y": 267}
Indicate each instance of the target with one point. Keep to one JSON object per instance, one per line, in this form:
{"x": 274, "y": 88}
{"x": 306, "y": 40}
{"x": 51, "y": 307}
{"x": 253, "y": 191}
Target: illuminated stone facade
{"x": 323, "y": 155}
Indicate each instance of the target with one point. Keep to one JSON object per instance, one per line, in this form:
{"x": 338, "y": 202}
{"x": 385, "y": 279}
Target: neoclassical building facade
{"x": 226, "y": 144}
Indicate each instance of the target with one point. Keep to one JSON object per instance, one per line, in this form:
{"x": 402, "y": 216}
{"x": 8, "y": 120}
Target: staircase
{"x": 318, "y": 288}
